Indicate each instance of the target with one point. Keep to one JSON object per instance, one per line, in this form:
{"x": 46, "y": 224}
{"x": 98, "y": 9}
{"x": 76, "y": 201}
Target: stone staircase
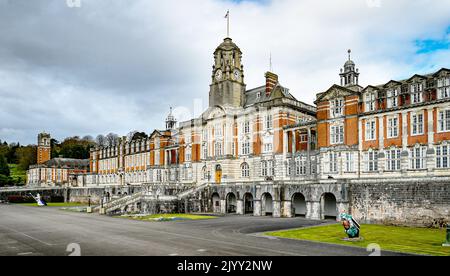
{"x": 120, "y": 203}
{"x": 194, "y": 190}
{"x": 146, "y": 195}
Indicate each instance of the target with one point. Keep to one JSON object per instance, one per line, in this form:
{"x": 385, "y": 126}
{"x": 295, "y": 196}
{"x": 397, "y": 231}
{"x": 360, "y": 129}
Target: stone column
{"x": 313, "y": 210}
{"x": 430, "y": 112}
{"x": 308, "y": 159}
{"x": 240, "y": 207}
{"x": 381, "y": 132}
{"x": 257, "y": 208}
{"x": 294, "y": 143}
{"x": 276, "y": 209}
{"x": 223, "y": 206}
{"x": 287, "y": 209}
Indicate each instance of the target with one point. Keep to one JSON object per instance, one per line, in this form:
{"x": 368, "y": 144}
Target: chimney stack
{"x": 271, "y": 82}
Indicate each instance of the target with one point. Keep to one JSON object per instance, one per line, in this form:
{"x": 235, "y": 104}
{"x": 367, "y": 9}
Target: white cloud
{"x": 118, "y": 65}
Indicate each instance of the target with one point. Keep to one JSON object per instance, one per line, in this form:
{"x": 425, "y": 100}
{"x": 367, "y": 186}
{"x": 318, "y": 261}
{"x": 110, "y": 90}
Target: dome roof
{"x": 349, "y": 63}
{"x": 228, "y": 45}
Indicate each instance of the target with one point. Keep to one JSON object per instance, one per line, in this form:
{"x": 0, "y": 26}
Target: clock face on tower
{"x": 219, "y": 75}
{"x": 237, "y": 74}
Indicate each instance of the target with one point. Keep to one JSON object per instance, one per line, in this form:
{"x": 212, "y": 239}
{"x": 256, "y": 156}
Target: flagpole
{"x": 228, "y": 25}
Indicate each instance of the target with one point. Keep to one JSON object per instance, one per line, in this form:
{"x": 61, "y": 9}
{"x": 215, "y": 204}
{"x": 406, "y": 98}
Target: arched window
{"x": 205, "y": 173}
{"x": 245, "y": 170}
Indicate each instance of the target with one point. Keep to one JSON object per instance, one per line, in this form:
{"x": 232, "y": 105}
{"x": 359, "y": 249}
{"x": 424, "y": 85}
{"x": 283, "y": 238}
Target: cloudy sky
{"x": 117, "y": 66}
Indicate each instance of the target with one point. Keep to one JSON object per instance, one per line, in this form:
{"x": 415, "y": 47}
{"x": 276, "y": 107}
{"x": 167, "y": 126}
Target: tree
{"x": 112, "y": 140}
{"x": 4, "y": 168}
{"x": 26, "y": 156}
{"x": 139, "y": 136}
{"x": 100, "y": 140}
{"x": 130, "y": 135}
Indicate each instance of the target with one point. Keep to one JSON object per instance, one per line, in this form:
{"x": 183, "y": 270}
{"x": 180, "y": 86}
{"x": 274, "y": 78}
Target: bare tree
{"x": 131, "y": 135}
{"x": 101, "y": 140}
{"x": 112, "y": 139}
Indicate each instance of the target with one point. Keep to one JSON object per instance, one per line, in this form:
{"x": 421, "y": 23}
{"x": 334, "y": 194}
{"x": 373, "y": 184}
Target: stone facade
{"x": 381, "y": 152}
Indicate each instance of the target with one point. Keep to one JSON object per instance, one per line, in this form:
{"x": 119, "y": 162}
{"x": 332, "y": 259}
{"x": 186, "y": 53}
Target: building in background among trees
{"x": 57, "y": 171}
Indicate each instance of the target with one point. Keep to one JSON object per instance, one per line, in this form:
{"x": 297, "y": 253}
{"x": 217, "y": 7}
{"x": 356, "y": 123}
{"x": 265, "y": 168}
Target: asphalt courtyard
{"x": 30, "y": 231}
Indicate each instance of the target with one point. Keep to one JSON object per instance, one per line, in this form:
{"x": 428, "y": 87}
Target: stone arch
{"x": 231, "y": 203}
{"x": 215, "y": 198}
{"x": 249, "y": 206}
{"x": 266, "y": 204}
{"x": 328, "y": 206}
{"x": 299, "y": 205}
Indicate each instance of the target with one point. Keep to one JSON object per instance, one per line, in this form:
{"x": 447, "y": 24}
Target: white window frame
{"x": 268, "y": 122}
{"x": 218, "y": 149}
{"x": 393, "y": 127}
{"x": 337, "y": 108}
{"x": 245, "y": 170}
{"x": 417, "y": 124}
{"x": 443, "y": 85}
{"x": 418, "y": 158}
{"x": 444, "y": 120}
{"x": 393, "y": 159}
{"x": 371, "y": 130}
{"x": 417, "y": 92}
{"x": 443, "y": 156}
{"x": 300, "y": 166}
{"x": 245, "y": 147}
{"x": 349, "y": 162}
{"x": 337, "y": 134}
{"x": 370, "y": 101}
{"x": 333, "y": 162}
{"x": 371, "y": 161}
{"x": 392, "y": 97}
{"x": 188, "y": 154}
{"x": 247, "y": 127}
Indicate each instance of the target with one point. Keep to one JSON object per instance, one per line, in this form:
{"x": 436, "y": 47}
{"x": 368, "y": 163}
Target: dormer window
{"x": 337, "y": 108}
{"x": 258, "y": 95}
{"x": 416, "y": 93}
{"x": 370, "y": 99}
{"x": 443, "y": 85}
{"x": 392, "y": 98}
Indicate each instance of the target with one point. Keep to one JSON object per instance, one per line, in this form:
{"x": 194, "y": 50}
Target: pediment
{"x": 442, "y": 73}
{"x": 155, "y": 134}
{"x": 392, "y": 83}
{"x": 417, "y": 77}
{"x": 370, "y": 88}
{"x": 213, "y": 113}
{"x": 335, "y": 92}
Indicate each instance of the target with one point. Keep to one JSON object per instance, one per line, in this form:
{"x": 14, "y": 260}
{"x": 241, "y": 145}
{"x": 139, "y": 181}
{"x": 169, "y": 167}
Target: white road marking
{"x": 24, "y": 254}
{"x": 202, "y": 250}
{"x": 173, "y": 255}
{"x": 28, "y": 236}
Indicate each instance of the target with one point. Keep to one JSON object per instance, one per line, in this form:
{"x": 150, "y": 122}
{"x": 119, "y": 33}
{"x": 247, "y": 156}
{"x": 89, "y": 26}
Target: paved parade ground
{"x": 28, "y": 231}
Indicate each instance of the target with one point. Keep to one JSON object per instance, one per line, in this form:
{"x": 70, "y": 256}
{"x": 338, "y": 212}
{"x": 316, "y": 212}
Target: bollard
{"x": 447, "y": 242}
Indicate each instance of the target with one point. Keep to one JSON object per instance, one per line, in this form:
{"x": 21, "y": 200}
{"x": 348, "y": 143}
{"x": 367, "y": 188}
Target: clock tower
{"x": 227, "y": 87}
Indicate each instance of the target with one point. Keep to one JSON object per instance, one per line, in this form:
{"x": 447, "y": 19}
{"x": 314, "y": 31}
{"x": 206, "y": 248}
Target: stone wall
{"x": 412, "y": 202}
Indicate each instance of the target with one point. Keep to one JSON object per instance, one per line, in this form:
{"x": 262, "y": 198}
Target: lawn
{"x": 421, "y": 241}
{"x": 168, "y": 217}
{"x": 70, "y": 204}
{"x": 17, "y": 173}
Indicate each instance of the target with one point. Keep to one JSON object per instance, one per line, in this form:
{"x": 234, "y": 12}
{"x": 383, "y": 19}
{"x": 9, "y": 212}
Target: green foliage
{"x": 26, "y": 156}
{"x": 401, "y": 239}
{"x": 18, "y": 174}
{"x": 4, "y": 168}
{"x": 72, "y": 147}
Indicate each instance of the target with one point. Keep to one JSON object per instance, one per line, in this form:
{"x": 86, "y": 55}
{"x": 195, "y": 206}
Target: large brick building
{"x": 54, "y": 172}
{"x": 381, "y": 152}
